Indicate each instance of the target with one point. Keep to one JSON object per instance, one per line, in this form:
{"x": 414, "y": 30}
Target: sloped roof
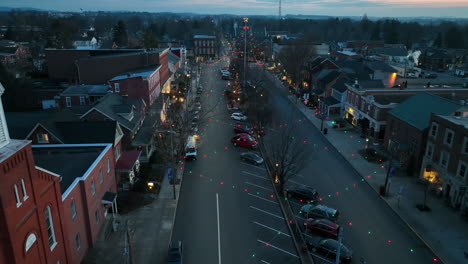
{"x": 340, "y": 84}
{"x": 330, "y": 100}
{"x": 416, "y": 110}
{"x": 113, "y": 105}
{"x": 331, "y": 76}
{"x": 354, "y": 69}
{"x": 146, "y": 131}
{"x": 86, "y": 132}
{"x": 143, "y": 73}
{"x": 395, "y": 52}
{"x": 380, "y": 66}
{"x": 86, "y": 90}
{"x": 127, "y": 160}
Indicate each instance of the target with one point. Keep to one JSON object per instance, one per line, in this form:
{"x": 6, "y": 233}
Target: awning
{"x": 127, "y": 160}
{"x": 108, "y": 198}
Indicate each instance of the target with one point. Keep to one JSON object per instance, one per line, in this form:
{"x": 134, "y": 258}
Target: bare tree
{"x": 294, "y": 56}
{"x": 256, "y": 104}
{"x": 288, "y": 155}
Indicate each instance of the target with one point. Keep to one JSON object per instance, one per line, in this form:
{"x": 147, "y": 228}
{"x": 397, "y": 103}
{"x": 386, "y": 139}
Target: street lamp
{"x": 367, "y": 143}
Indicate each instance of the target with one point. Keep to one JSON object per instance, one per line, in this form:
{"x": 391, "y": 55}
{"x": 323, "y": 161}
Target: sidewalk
{"x": 150, "y": 231}
{"x": 442, "y": 229}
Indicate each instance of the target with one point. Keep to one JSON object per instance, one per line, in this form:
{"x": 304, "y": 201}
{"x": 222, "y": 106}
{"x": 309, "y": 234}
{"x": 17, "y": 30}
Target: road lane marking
{"x": 219, "y": 234}
{"x": 266, "y": 212}
{"x": 277, "y": 231}
{"x": 296, "y": 183}
{"x": 261, "y": 187}
{"x": 265, "y": 262}
{"x": 262, "y": 198}
{"x": 255, "y": 175}
{"x": 253, "y": 166}
{"x": 270, "y": 245}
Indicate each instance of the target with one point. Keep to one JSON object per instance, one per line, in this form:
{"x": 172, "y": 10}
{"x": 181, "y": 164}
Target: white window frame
{"x": 78, "y": 241}
{"x": 101, "y": 176}
{"x": 68, "y": 102}
{"x": 93, "y": 187}
{"x": 82, "y": 100}
{"x": 441, "y": 158}
{"x": 25, "y": 193}
{"x": 108, "y": 165}
{"x": 41, "y": 138}
{"x": 117, "y": 87}
{"x": 50, "y": 224}
{"x": 460, "y": 163}
{"x": 117, "y": 152}
{"x": 18, "y": 200}
{"x": 447, "y": 132}
{"x": 430, "y": 146}
{"x": 434, "y": 124}
{"x": 73, "y": 209}
{"x": 98, "y": 218}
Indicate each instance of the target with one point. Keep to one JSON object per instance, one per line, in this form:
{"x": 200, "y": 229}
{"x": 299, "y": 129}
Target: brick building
{"x": 445, "y": 161}
{"x": 205, "y": 46}
{"x": 79, "y": 95}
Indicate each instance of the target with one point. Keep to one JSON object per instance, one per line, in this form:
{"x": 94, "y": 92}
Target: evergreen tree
{"x": 454, "y": 38}
{"x": 375, "y": 35}
{"x": 120, "y": 36}
{"x": 149, "y": 39}
{"x": 438, "y": 41}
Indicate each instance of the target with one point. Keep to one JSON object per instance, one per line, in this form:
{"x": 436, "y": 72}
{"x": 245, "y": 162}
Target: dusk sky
{"x": 380, "y": 8}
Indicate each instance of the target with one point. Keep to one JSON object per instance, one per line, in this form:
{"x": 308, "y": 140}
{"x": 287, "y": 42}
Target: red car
{"x": 243, "y": 128}
{"x": 244, "y": 140}
{"x": 322, "y": 227}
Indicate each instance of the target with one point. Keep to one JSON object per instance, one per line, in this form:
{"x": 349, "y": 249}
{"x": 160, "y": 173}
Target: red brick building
{"x": 205, "y": 46}
{"x": 53, "y": 199}
{"x": 79, "y": 95}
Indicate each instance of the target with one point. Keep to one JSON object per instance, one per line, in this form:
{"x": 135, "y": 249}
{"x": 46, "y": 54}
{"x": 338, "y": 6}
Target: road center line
{"x": 262, "y": 198}
{"x": 255, "y": 175}
{"x": 265, "y": 262}
{"x": 270, "y": 245}
{"x": 266, "y": 212}
{"x": 261, "y": 187}
{"x": 219, "y": 234}
{"x": 277, "y": 231}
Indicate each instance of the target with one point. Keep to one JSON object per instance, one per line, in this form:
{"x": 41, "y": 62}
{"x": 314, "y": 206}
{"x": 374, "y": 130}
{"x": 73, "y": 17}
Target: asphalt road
{"x": 371, "y": 229}
{"x": 226, "y": 211}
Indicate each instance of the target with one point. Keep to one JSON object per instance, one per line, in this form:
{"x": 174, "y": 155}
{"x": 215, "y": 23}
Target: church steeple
{"x": 4, "y": 135}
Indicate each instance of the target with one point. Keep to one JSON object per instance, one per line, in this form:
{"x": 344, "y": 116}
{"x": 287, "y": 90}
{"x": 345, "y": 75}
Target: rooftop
{"x": 462, "y": 121}
{"x": 70, "y": 161}
{"x": 143, "y": 73}
{"x": 11, "y": 148}
{"x": 204, "y": 36}
{"x": 416, "y": 110}
{"x": 86, "y": 90}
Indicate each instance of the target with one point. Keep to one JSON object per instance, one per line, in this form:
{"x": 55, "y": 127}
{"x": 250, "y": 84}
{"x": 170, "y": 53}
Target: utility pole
{"x": 246, "y": 20}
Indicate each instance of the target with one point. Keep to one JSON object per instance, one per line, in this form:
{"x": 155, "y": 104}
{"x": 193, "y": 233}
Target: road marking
{"x": 261, "y": 187}
{"x": 253, "y": 166}
{"x": 265, "y": 261}
{"x": 255, "y": 175}
{"x": 262, "y": 198}
{"x": 266, "y": 212}
{"x": 277, "y": 231}
{"x": 270, "y": 245}
{"x": 219, "y": 234}
{"x": 296, "y": 183}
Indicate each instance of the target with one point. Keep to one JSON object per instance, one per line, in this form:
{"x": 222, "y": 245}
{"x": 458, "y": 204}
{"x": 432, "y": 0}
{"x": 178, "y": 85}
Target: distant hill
{"x": 7, "y": 9}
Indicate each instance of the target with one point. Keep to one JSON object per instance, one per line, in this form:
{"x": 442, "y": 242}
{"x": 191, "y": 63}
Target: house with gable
{"x": 390, "y": 54}
{"x": 334, "y": 104}
{"x": 408, "y": 125}
{"x": 79, "y": 95}
{"x": 382, "y": 71}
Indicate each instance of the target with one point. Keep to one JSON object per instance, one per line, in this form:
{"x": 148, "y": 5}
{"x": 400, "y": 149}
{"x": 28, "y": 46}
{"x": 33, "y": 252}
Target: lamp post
{"x": 246, "y": 20}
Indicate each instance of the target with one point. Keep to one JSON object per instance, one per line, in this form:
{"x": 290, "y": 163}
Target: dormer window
{"x": 42, "y": 138}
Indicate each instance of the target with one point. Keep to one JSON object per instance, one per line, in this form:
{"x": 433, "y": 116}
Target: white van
{"x": 191, "y": 148}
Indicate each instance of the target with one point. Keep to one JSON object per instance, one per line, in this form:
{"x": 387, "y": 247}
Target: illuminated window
{"x": 43, "y": 138}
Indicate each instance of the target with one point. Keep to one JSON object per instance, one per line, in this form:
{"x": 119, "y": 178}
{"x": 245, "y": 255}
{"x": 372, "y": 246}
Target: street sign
{"x": 170, "y": 175}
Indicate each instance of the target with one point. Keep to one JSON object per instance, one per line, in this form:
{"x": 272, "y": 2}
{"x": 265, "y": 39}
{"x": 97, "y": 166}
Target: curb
{"x": 180, "y": 174}
{"x": 283, "y": 210}
{"x": 376, "y": 191}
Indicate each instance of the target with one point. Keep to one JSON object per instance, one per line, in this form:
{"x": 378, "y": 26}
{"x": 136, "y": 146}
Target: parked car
{"x": 328, "y": 248}
{"x": 238, "y": 116}
{"x": 244, "y": 140}
{"x": 431, "y": 76}
{"x": 303, "y": 194}
{"x": 251, "y": 157}
{"x": 243, "y": 128}
{"x": 322, "y": 227}
{"x": 319, "y": 211}
{"x": 175, "y": 254}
